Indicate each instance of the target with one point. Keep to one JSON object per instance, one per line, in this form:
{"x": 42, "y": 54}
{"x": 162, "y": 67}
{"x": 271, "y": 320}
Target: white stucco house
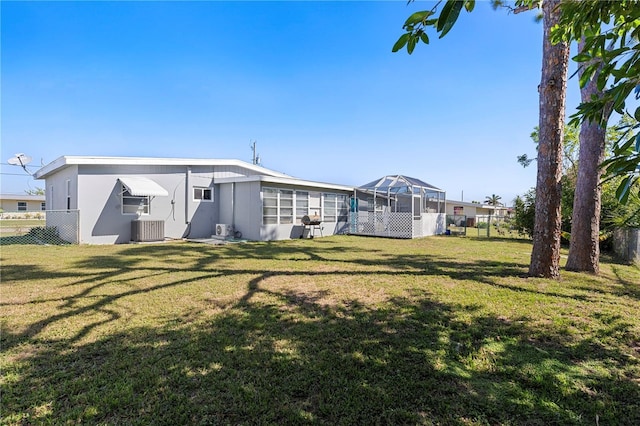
{"x": 472, "y": 212}
{"x": 123, "y": 199}
{"x": 22, "y": 203}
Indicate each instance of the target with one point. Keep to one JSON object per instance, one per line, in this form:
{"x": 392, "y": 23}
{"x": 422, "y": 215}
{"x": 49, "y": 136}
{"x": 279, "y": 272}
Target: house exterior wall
{"x": 96, "y": 192}
{"x": 270, "y": 232}
{"x": 10, "y": 204}
{"x": 102, "y": 220}
{"x": 238, "y": 199}
{"x": 241, "y": 206}
{"x": 432, "y": 224}
{"x": 56, "y": 189}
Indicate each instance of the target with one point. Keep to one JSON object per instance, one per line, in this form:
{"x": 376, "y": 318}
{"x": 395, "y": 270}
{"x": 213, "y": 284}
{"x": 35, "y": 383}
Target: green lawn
{"x": 336, "y": 330}
{"x": 16, "y": 223}
{"x": 11, "y": 225}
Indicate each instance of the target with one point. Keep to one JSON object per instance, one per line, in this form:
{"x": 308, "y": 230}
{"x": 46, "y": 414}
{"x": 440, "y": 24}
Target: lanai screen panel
{"x": 393, "y": 205}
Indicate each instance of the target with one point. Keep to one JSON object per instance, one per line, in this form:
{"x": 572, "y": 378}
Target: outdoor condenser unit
{"x": 147, "y": 230}
{"x": 224, "y": 230}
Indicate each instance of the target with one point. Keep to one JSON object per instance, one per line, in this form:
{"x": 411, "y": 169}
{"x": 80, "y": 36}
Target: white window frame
{"x": 280, "y": 204}
{"x": 335, "y": 207}
{"x": 200, "y": 192}
{"x": 43, "y": 206}
{"x": 68, "y": 198}
{"x": 144, "y": 201}
{"x": 270, "y": 205}
{"x": 329, "y": 207}
{"x": 302, "y": 204}
{"x": 22, "y": 206}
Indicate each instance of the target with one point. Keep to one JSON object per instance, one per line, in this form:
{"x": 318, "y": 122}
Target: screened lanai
{"x": 399, "y": 207}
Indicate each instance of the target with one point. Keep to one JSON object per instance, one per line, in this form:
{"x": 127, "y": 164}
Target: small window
{"x": 202, "y": 193}
{"x": 132, "y": 204}
{"x": 22, "y": 206}
{"x": 68, "y": 194}
{"x": 43, "y": 206}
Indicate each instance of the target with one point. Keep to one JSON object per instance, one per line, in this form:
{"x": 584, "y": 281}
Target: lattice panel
{"x": 395, "y": 225}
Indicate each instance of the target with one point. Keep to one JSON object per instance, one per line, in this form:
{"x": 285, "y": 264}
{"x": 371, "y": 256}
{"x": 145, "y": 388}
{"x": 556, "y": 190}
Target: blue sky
{"x": 314, "y": 83}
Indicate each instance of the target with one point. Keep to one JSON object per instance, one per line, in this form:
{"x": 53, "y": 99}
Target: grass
{"x": 15, "y": 223}
{"x": 336, "y": 330}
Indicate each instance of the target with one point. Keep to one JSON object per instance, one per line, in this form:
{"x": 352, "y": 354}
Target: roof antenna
{"x": 21, "y": 160}
{"x": 256, "y": 156}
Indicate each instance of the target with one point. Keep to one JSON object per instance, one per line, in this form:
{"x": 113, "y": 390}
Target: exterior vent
{"x": 224, "y": 230}
{"x": 147, "y": 230}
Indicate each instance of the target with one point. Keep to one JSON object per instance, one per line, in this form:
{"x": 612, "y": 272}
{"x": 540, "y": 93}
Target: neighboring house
{"x": 474, "y": 210}
{"x": 119, "y": 197}
{"x": 22, "y": 203}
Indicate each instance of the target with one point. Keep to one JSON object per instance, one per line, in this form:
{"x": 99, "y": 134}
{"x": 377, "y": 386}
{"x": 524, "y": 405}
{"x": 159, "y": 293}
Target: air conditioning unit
{"x": 224, "y": 230}
{"x": 147, "y": 230}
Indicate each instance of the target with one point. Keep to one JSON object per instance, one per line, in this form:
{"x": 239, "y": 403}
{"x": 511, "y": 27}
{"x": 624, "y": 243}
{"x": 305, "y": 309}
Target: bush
{"x": 44, "y": 233}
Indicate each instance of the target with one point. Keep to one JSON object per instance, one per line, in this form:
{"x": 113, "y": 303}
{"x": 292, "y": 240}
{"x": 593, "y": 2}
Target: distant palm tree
{"x": 493, "y": 200}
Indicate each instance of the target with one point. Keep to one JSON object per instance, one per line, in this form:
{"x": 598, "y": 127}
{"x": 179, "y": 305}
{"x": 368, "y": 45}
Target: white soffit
{"x": 142, "y": 187}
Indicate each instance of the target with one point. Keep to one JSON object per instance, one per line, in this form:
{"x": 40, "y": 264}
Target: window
{"x": 22, "y": 206}
{"x": 43, "y": 206}
{"x": 329, "y": 208}
{"x": 132, "y": 204}
{"x": 269, "y": 206}
{"x": 343, "y": 208}
{"x": 302, "y": 205}
{"x": 68, "y": 194}
{"x": 277, "y": 206}
{"x": 335, "y": 208}
{"x": 286, "y": 206}
{"x": 282, "y": 206}
{"x": 202, "y": 193}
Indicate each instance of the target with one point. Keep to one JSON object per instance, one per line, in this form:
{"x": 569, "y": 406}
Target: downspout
{"x": 186, "y": 195}
{"x": 233, "y": 204}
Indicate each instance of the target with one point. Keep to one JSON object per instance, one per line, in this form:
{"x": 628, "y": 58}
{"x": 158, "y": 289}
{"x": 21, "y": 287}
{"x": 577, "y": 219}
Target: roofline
{"x": 482, "y": 206}
{"x": 69, "y": 160}
{"x": 286, "y": 180}
{"x": 27, "y": 197}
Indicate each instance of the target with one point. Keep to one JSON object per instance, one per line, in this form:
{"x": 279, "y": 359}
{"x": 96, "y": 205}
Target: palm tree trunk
{"x": 545, "y": 256}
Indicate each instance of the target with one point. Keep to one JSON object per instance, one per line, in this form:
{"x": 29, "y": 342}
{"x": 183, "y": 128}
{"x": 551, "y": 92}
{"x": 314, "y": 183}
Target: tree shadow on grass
{"x": 299, "y": 361}
{"x": 282, "y": 356}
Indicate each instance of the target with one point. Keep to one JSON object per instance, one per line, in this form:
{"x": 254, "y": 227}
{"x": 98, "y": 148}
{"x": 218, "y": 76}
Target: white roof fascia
{"x": 66, "y": 160}
{"x": 466, "y": 203}
{"x": 287, "y": 181}
{"x": 139, "y": 186}
{"x": 21, "y": 197}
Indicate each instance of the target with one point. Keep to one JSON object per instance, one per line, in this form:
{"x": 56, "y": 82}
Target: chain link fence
{"x": 495, "y": 226}
{"x": 51, "y": 227}
{"x": 482, "y": 226}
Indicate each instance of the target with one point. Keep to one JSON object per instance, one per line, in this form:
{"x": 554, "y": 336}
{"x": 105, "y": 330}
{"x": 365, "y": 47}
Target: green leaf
{"x": 418, "y": 17}
{"x": 582, "y": 57}
{"x": 401, "y": 42}
{"x": 587, "y": 74}
{"x": 469, "y": 5}
{"x": 622, "y": 192}
{"x": 411, "y": 44}
{"x": 448, "y": 20}
{"x": 424, "y": 38}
